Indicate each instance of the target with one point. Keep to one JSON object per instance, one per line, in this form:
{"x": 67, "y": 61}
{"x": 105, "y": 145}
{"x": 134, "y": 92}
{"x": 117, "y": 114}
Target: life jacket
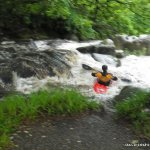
{"x": 104, "y": 78}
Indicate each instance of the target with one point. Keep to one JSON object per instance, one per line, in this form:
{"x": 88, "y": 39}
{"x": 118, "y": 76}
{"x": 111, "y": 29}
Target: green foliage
{"x": 4, "y": 141}
{"x": 82, "y": 26}
{"x": 133, "y": 109}
{"x": 87, "y": 19}
{"x": 58, "y": 9}
{"x": 15, "y": 108}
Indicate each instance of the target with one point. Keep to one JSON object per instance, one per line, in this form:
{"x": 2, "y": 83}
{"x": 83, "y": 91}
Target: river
{"x": 134, "y": 68}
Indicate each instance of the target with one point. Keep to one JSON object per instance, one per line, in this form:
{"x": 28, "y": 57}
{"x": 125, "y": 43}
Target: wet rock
{"x": 87, "y": 49}
{"x": 108, "y": 42}
{"x": 6, "y": 76}
{"x": 101, "y": 49}
{"x": 26, "y": 60}
{"x": 105, "y": 47}
{"x": 126, "y": 92}
{"x": 105, "y": 59}
{"x": 133, "y": 42}
{"x": 119, "y": 53}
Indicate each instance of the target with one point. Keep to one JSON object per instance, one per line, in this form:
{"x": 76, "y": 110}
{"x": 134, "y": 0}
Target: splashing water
{"x": 134, "y": 68}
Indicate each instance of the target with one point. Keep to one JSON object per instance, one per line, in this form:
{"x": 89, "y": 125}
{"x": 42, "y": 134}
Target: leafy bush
{"x": 133, "y": 110}
{"x": 87, "y": 19}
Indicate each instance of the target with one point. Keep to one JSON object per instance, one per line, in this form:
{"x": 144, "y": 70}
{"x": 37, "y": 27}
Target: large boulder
{"x": 119, "y": 53}
{"x": 133, "y": 43}
{"x": 27, "y": 61}
{"x": 105, "y": 59}
{"x": 126, "y": 92}
{"x": 105, "y": 47}
{"x": 87, "y": 49}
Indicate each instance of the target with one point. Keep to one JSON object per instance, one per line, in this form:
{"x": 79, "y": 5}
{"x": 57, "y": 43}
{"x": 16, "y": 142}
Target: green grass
{"x": 133, "y": 110}
{"x": 15, "y": 108}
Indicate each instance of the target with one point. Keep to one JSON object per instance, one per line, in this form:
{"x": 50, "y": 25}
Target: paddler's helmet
{"x": 104, "y": 67}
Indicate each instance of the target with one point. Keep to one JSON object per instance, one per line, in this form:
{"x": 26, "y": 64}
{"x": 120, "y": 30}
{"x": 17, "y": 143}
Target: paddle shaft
{"x": 87, "y": 67}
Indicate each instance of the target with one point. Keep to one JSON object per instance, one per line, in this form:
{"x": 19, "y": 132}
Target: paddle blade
{"x": 86, "y": 67}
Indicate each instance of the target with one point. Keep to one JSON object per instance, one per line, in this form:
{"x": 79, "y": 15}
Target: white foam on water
{"x": 135, "y": 68}
{"x": 73, "y": 45}
{"x": 41, "y": 45}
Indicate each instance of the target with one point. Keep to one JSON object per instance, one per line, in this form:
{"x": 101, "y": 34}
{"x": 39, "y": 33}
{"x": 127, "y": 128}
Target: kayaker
{"x": 104, "y": 77}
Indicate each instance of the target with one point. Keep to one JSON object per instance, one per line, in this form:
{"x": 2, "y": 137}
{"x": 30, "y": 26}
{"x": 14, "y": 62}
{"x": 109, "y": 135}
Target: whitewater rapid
{"x": 134, "y": 68}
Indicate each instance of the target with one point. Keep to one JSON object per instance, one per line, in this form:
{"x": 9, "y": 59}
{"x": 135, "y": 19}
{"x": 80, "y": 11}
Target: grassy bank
{"x": 135, "y": 110}
{"x": 15, "y": 108}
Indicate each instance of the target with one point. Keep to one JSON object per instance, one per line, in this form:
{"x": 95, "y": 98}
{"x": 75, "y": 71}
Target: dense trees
{"x": 85, "y": 18}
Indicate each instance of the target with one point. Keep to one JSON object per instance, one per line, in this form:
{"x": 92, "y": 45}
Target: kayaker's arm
{"x": 113, "y": 77}
{"x": 97, "y": 74}
{"x": 93, "y": 74}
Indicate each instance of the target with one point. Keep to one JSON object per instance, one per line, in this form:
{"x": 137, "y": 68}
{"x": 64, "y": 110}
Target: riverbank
{"x": 59, "y": 120}
{"x": 95, "y": 131}
{"x": 15, "y": 109}
{"x": 136, "y": 111}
